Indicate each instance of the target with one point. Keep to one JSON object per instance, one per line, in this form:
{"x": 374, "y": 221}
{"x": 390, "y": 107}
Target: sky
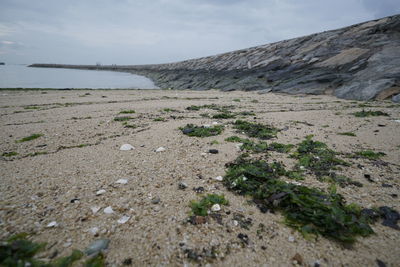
{"x": 160, "y": 31}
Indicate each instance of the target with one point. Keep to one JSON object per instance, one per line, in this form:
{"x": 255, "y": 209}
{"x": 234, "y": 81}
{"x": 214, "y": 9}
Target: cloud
{"x": 142, "y": 31}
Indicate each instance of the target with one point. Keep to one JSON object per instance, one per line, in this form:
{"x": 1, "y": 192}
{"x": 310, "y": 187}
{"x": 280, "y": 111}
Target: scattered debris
{"x": 215, "y": 207}
{"x": 95, "y": 209}
{"x": 160, "y": 149}
{"x": 244, "y": 238}
{"x": 100, "y": 192}
{"x": 122, "y": 181}
{"x": 52, "y": 224}
{"x": 201, "y": 208}
{"x": 219, "y": 178}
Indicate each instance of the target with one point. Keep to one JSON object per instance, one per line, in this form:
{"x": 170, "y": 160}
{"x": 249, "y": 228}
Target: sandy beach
{"x": 55, "y": 177}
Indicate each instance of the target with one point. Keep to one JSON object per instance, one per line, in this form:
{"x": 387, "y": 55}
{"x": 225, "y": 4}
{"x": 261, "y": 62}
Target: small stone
{"x": 108, "y": 210}
{"x": 380, "y": 263}
{"x": 206, "y": 126}
{"x": 215, "y": 123}
{"x": 100, "y": 192}
{"x": 216, "y": 207}
{"x": 199, "y": 189}
{"x": 213, "y": 151}
{"x": 52, "y": 224}
{"x": 95, "y": 209}
{"x": 122, "y": 181}
{"x": 97, "y": 246}
{"x": 160, "y": 149}
{"x": 127, "y": 261}
{"x": 219, "y": 178}
{"x": 67, "y": 244}
{"x": 124, "y": 219}
{"x": 387, "y": 185}
{"x": 156, "y": 200}
{"x": 291, "y": 239}
{"x": 187, "y": 130}
{"x": 182, "y": 185}
{"x": 195, "y": 220}
{"x": 126, "y": 147}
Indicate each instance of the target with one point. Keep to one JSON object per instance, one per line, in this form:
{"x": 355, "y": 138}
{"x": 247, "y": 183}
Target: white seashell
{"x": 216, "y": 207}
{"x": 124, "y": 219}
{"x": 52, "y": 224}
{"x": 108, "y": 210}
{"x": 160, "y": 149}
{"x": 126, "y": 147}
{"x": 122, "y": 181}
{"x": 219, "y": 178}
{"x": 100, "y": 192}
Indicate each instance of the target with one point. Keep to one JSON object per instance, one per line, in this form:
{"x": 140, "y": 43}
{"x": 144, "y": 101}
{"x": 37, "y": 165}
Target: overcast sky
{"x": 158, "y": 31}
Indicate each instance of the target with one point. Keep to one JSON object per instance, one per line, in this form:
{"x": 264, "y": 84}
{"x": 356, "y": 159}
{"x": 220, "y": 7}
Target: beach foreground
{"x": 56, "y": 176}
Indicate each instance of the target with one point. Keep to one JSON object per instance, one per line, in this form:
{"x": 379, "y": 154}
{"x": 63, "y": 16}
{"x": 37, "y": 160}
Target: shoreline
{"x": 56, "y": 176}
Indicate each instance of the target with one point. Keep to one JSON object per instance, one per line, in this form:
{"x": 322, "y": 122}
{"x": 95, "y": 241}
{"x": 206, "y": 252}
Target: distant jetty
{"x": 360, "y": 62}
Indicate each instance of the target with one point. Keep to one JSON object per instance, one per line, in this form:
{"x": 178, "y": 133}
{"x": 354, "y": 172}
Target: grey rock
{"x": 396, "y": 98}
{"x": 156, "y": 200}
{"x": 97, "y": 246}
{"x": 356, "y": 62}
{"x": 182, "y": 185}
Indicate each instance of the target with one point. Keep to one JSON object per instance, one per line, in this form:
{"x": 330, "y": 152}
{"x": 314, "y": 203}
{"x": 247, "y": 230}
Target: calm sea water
{"x": 14, "y": 76}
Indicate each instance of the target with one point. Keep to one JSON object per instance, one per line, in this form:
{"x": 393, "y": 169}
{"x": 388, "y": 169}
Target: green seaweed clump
{"x": 369, "y": 154}
{"x": 281, "y": 148}
{"x": 19, "y": 251}
{"x": 123, "y": 118}
{"x": 369, "y": 113}
{"x": 257, "y": 130}
{"x": 200, "y": 208}
{"x": 130, "y": 111}
{"x": 9, "y": 154}
{"x": 29, "y": 138}
{"x": 318, "y": 158}
{"x": 201, "y": 131}
{"x": 309, "y": 210}
{"x": 224, "y": 115}
{"x": 348, "y": 134}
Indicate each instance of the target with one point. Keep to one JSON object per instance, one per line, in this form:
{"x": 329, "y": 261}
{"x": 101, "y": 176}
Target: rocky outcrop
{"x": 357, "y": 62}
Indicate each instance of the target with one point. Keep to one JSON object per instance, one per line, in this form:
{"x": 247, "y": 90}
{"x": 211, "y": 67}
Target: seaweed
{"x": 224, "y": 115}
{"x": 123, "y": 118}
{"x": 369, "y": 154}
{"x": 309, "y": 210}
{"x": 347, "y": 134}
{"x": 29, "y": 138}
{"x": 20, "y": 251}
{"x": 201, "y": 131}
{"x": 130, "y": 111}
{"x": 9, "y": 154}
{"x": 369, "y": 113}
{"x": 257, "y": 130}
{"x": 281, "y": 148}
{"x": 316, "y": 157}
{"x": 200, "y": 208}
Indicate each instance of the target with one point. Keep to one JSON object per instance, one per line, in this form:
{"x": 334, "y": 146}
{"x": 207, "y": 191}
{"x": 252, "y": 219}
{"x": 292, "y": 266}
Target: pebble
{"x": 156, "y": 200}
{"x": 52, "y": 224}
{"x": 97, "y": 246}
{"x": 122, "y": 181}
{"x": 216, "y": 207}
{"x": 160, "y": 149}
{"x": 207, "y": 126}
{"x": 291, "y": 239}
{"x": 108, "y": 210}
{"x": 95, "y": 209}
{"x": 100, "y": 192}
{"x": 126, "y": 147}
{"x": 215, "y": 123}
{"x": 124, "y": 219}
{"x": 219, "y": 178}
{"x": 182, "y": 185}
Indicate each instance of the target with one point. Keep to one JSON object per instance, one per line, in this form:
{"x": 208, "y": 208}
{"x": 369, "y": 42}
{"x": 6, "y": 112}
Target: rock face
{"x": 357, "y": 62}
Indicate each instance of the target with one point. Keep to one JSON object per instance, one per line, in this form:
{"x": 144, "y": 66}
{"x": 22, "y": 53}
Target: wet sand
{"x": 56, "y": 176}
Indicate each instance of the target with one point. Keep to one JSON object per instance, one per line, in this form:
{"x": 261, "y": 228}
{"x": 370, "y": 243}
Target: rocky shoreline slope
{"x": 360, "y": 62}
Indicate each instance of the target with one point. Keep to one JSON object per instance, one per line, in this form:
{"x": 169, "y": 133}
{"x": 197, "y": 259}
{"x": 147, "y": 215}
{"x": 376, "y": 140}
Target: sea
{"x": 22, "y": 76}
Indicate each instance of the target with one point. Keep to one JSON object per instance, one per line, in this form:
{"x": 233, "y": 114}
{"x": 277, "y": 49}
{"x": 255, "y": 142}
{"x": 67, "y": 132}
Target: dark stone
{"x": 127, "y": 261}
{"x": 213, "y": 151}
{"x": 187, "y": 130}
{"x": 195, "y": 220}
{"x": 368, "y": 177}
{"x": 244, "y": 238}
{"x": 390, "y": 217}
{"x": 74, "y": 200}
{"x": 156, "y": 200}
{"x": 380, "y": 263}
{"x": 263, "y": 247}
{"x": 387, "y": 185}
